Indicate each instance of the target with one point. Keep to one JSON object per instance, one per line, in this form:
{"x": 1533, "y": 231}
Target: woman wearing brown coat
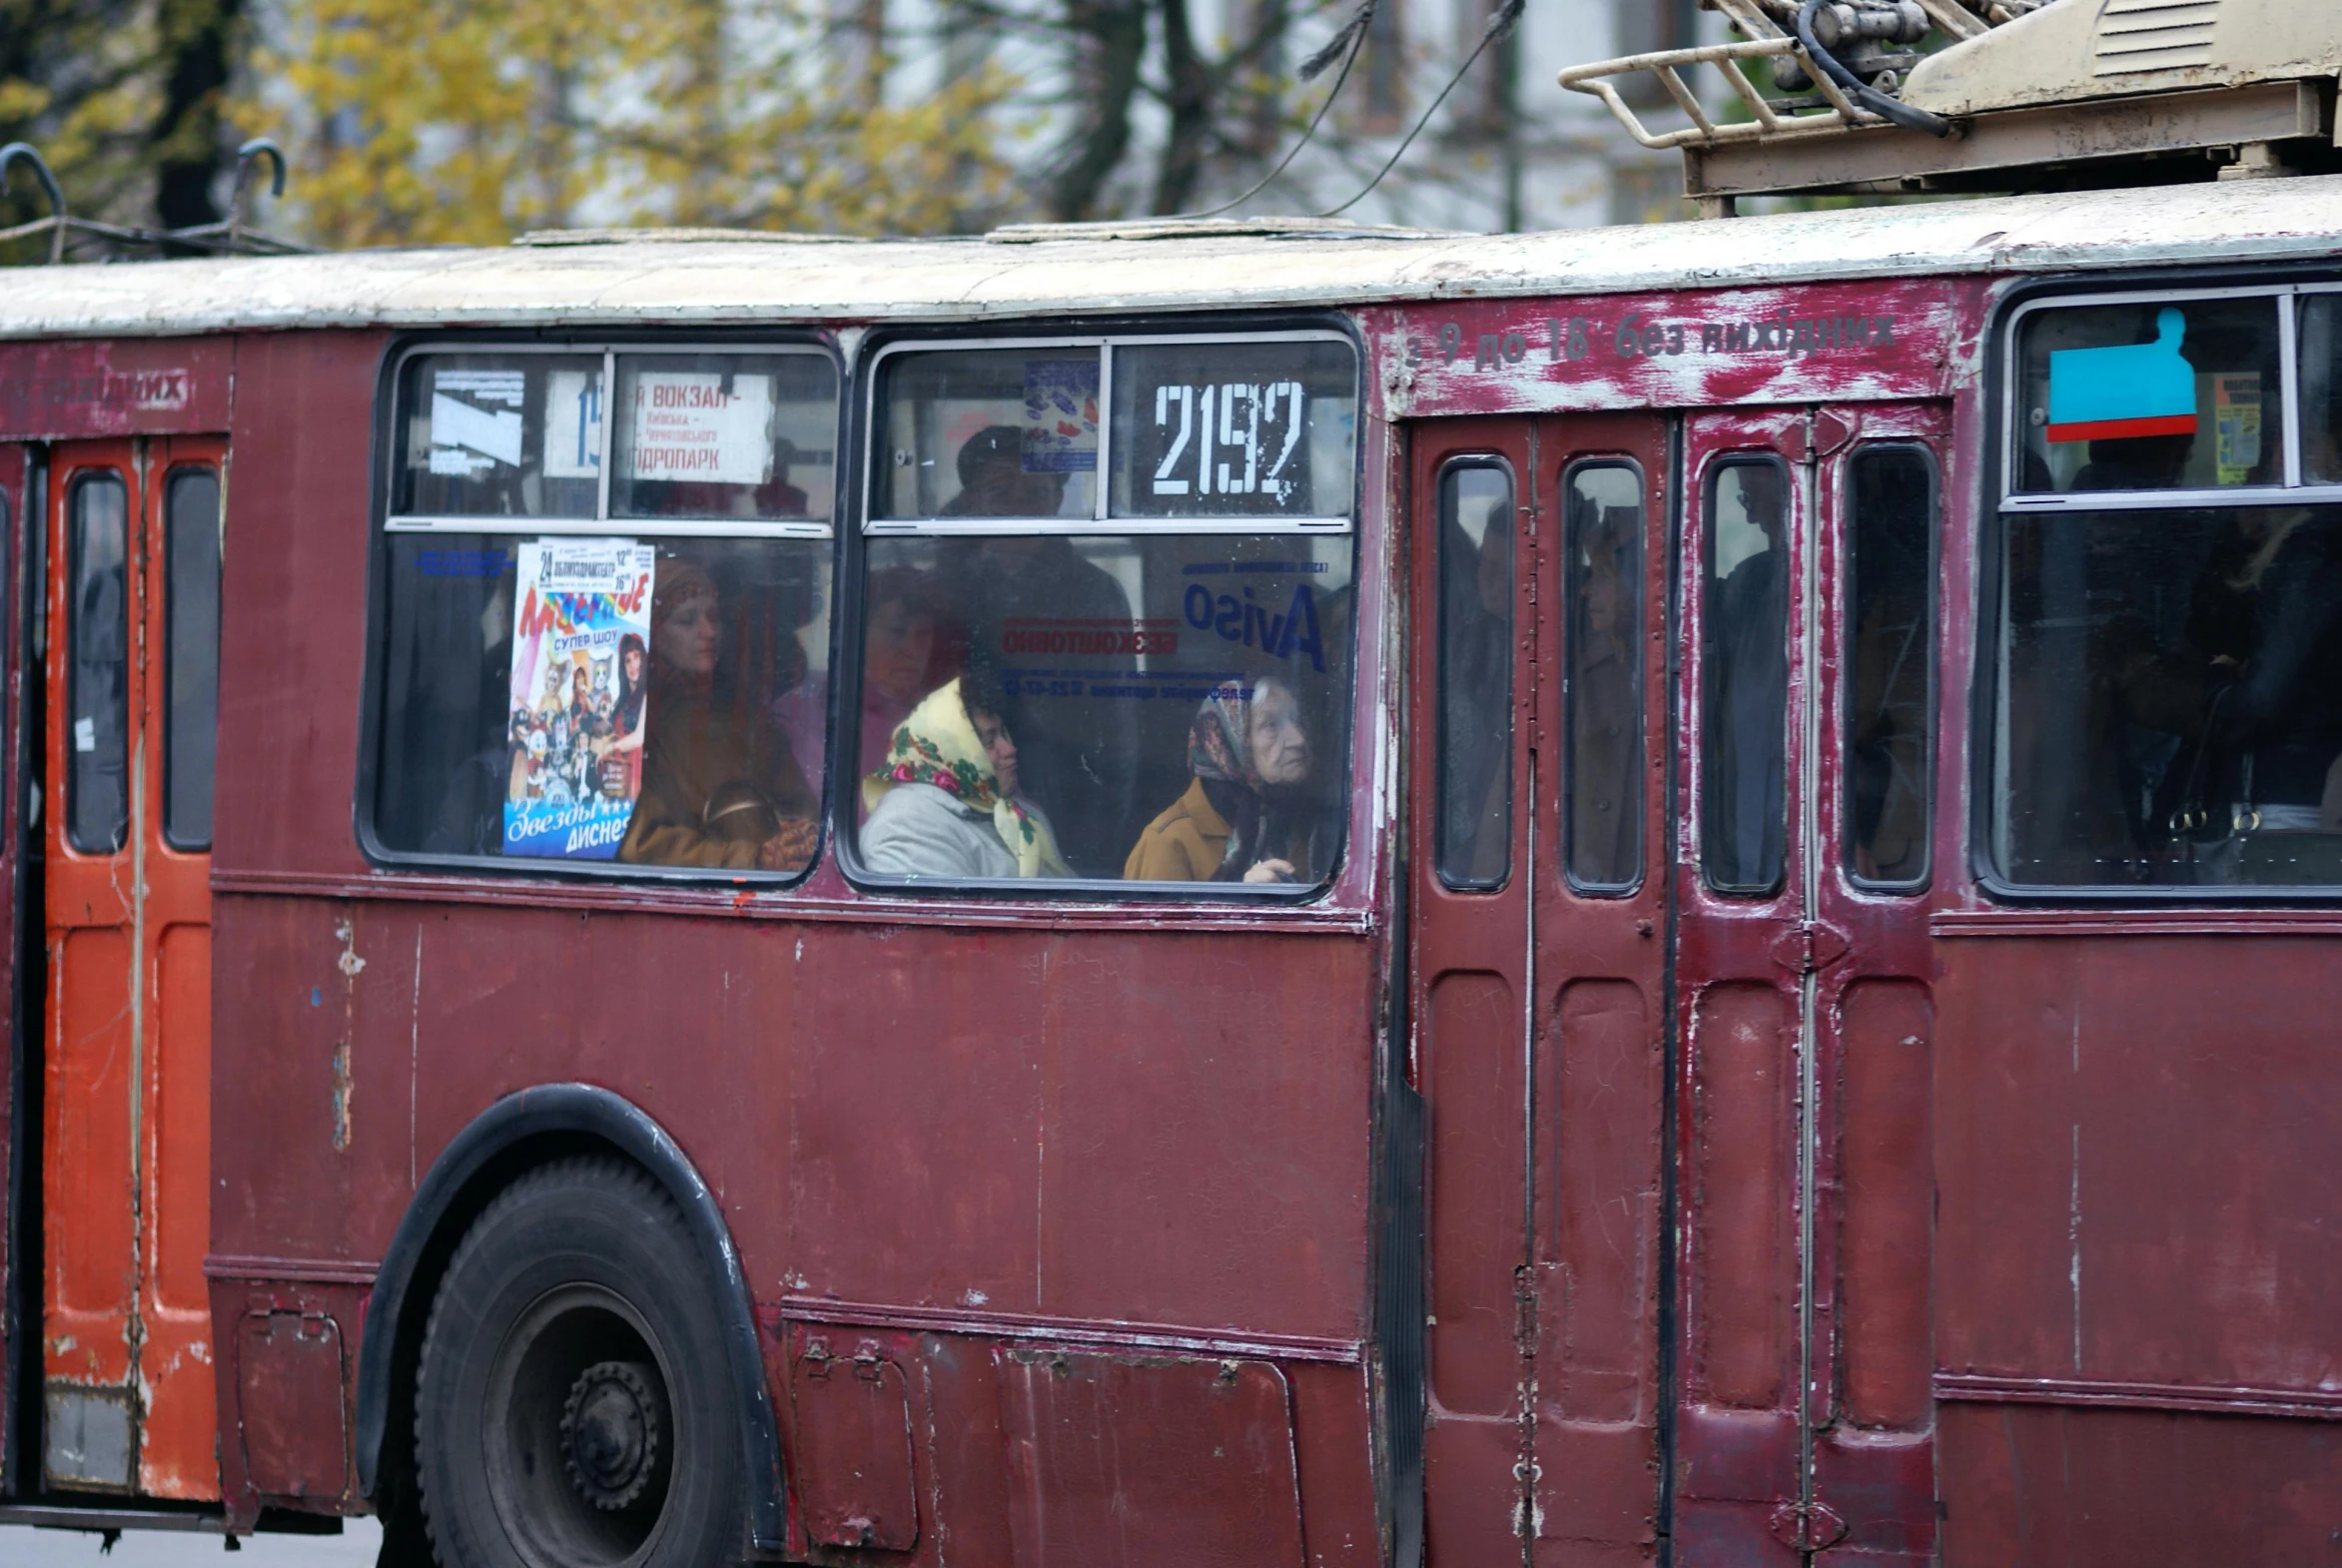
{"x": 1244, "y": 818}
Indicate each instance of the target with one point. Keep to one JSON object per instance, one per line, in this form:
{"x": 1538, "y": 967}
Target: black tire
{"x": 574, "y": 1408}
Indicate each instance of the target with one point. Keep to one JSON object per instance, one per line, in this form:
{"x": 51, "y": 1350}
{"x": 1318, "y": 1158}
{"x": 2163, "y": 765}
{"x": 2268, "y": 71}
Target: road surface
{"x": 21, "y": 1547}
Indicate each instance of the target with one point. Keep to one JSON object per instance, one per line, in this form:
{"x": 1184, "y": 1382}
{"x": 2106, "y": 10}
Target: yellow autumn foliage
{"x": 468, "y": 120}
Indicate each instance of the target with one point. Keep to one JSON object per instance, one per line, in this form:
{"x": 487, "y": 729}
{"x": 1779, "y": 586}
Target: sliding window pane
{"x": 96, "y": 792}
{"x": 1890, "y": 741}
{"x": 1475, "y": 827}
{"x": 191, "y": 521}
{"x": 1744, "y": 677}
{"x": 1604, "y": 689}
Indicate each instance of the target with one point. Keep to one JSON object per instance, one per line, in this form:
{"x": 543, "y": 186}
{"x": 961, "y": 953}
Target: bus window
{"x": 1159, "y": 698}
{"x": 98, "y": 804}
{"x": 499, "y": 434}
{"x": 1476, "y": 652}
{"x": 1890, "y": 658}
{"x": 190, "y": 526}
{"x": 2161, "y": 393}
{"x": 649, "y": 690}
{"x": 2172, "y": 689}
{"x": 769, "y": 454}
{"x": 1254, "y": 430}
{"x": 1604, "y": 824}
{"x": 1744, "y": 676}
{"x": 1009, "y": 433}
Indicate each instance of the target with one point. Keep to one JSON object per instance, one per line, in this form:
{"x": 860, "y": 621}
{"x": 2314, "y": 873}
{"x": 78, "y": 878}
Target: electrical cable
{"x": 1350, "y": 37}
{"x": 1499, "y": 25}
{"x": 1902, "y": 114}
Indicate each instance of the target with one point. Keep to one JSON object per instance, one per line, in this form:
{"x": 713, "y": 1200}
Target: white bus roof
{"x": 666, "y": 281}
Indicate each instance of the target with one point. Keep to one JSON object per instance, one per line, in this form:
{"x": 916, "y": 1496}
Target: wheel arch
{"x": 516, "y": 1134}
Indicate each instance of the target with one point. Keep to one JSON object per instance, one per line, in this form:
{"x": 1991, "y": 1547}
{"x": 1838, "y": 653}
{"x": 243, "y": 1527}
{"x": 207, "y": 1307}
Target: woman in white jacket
{"x": 945, "y": 803}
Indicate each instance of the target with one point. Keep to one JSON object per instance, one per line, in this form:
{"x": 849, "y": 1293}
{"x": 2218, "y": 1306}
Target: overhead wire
{"x": 1346, "y": 42}
{"x": 1500, "y": 25}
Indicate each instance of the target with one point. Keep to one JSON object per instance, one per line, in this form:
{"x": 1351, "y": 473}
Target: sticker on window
{"x": 2125, "y": 391}
{"x": 694, "y": 424}
{"x": 475, "y": 420}
{"x": 2236, "y": 419}
{"x": 573, "y": 425}
{"x": 580, "y": 657}
{"x": 1061, "y": 415}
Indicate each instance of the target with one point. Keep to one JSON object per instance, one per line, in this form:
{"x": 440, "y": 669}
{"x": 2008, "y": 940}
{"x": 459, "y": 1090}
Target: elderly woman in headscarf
{"x": 717, "y": 791}
{"x": 1246, "y": 817}
{"x": 946, "y": 804}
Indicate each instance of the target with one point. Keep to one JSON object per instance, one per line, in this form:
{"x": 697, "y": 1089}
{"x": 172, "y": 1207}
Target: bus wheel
{"x": 573, "y": 1409}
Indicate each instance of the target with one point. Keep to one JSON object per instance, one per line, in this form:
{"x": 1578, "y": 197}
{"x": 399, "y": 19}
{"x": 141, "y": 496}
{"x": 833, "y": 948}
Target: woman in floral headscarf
{"x": 945, "y": 803}
{"x": 1244, "y": 818}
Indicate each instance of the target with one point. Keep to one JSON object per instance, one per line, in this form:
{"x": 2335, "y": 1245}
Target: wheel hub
{"x": 611, "y": 1429}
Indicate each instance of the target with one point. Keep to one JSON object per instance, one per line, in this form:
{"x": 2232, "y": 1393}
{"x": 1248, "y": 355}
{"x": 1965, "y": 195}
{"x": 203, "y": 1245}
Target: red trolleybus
{"x": 1294, "y": 897}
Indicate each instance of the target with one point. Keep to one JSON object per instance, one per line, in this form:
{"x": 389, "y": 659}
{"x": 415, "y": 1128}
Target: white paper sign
{"x": 573, "y": 425}
{"x": 461, "y": 434}
{"x": 687, "y": 427}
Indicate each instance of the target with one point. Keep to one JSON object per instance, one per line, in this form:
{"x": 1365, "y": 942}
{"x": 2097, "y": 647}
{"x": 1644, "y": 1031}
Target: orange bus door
{"x": 134, "y": 574}
{"x": 18, "y": 520}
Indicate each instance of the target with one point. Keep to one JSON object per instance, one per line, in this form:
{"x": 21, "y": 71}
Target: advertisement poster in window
{"x": 580, "y": 657}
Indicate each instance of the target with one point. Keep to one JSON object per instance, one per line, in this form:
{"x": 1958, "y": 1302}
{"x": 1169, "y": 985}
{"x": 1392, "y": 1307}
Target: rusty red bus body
{"x": 1411, "y": 1222}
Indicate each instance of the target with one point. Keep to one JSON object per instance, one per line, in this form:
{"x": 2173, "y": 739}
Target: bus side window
{"x": 1744, "y": 677}
{"x": 98, "y": 802}
{"x": 1474, "y": 811}
{"x": 1604, "y": 819}
{"x": 1889, "y": 618}
{"x": 190, "y": 524}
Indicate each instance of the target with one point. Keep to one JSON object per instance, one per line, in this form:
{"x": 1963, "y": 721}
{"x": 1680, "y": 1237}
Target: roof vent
{"x": 553, "y": 237}
{"x": 2154, "y": 35}
{"x": 1203, "y": 229}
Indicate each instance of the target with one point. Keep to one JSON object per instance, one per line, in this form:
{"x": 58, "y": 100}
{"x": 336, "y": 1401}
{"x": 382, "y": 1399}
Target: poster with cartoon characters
{"x": 580, "y": 658}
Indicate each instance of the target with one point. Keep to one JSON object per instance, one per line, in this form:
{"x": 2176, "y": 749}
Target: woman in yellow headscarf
{"x": 945, "y": 803}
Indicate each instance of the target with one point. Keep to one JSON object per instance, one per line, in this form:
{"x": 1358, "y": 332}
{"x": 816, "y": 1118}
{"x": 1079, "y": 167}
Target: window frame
{"x": 853, "y": 570}
{"x": 1845, "y": 680}
{"x": 1485, "y": 460}
{"x": 387, "y": 524}
{"x": 1996, "y": 500}
{"x": 1569, "y": 654}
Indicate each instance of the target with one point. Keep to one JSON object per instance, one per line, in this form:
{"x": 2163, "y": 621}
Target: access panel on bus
{"x": 131, "y": 703}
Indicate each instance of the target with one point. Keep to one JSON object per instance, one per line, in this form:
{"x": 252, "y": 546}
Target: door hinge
{"x": 1809, "y": 946}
